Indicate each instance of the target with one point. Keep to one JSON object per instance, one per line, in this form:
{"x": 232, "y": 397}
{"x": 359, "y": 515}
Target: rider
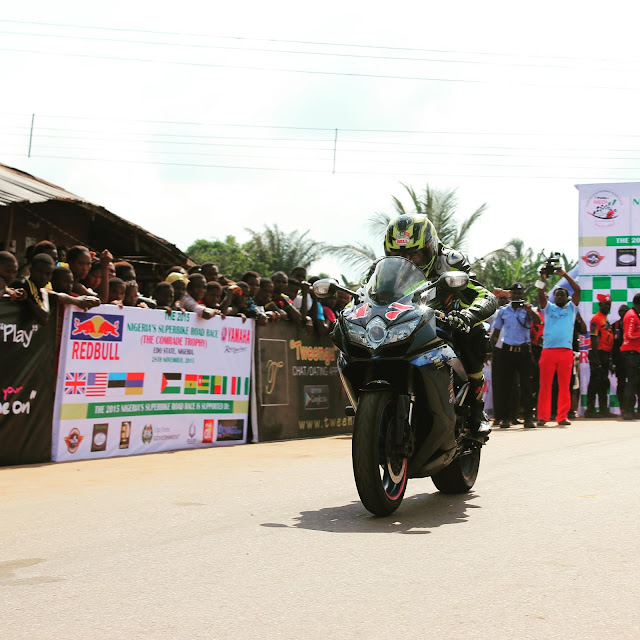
{"x": 414, "y": 237}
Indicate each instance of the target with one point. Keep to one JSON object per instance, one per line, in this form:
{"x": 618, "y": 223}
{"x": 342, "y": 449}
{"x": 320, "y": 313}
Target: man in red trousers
{"x": 557, "y": 351}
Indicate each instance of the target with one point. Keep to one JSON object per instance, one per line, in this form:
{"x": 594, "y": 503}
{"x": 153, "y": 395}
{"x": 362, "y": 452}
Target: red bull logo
{"x": 105, "y": 327}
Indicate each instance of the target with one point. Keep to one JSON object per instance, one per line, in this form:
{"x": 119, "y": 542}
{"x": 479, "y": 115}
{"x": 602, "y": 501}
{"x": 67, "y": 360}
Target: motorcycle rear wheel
{"x": 460, "y": 475}
{"x": 380, "y": 474}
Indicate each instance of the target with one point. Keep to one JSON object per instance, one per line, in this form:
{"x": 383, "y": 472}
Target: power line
{"x": 330, "y": 130}
{"x": 329, "y": 172}
{"x": 313, "y": 72}
{"x": 306, "y": 42}
{"x": 296, "y": 51}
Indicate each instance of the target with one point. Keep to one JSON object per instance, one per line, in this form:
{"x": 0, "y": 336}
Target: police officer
{"x": 515, "y": 319}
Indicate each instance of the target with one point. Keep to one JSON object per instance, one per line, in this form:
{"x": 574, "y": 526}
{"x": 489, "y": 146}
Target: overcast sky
{"x": 208, "y": 117}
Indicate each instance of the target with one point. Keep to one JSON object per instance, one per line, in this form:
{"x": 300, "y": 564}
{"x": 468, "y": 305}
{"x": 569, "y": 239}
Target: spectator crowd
{"x": 535, "y": 351}
{"x": 80, "y": 277}
{"x": 536, "y": 354}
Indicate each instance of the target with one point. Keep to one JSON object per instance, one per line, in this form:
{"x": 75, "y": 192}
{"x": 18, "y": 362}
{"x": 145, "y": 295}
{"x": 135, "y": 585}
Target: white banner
{"x": 609, "y": 227}
{"x": 136, "y": 381}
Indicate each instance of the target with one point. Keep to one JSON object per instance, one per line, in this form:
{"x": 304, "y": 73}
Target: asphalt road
{"x": 271, "y": 541}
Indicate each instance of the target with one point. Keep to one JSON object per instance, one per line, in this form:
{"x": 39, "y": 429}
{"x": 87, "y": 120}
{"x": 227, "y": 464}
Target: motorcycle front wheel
{"x": 380, "y": 473}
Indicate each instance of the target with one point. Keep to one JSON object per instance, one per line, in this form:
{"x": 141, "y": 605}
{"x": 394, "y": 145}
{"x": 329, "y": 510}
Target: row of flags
{"x": 195, "y": 384}
{"x": 132, "y": 384}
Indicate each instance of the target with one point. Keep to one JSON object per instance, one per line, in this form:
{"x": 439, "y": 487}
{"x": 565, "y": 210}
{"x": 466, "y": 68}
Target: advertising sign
{"x": 609, "y": 227}
{"x": 297, "y": 388}
{"x": 138, "y": 381}
{"x": 27, "y": 380}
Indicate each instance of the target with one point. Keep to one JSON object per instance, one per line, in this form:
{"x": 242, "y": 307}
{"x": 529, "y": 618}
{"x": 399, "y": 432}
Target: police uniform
{"x": 516, "y": 356}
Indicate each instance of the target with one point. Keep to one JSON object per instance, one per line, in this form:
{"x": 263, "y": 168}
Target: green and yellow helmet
{"x": 410, "y": 233}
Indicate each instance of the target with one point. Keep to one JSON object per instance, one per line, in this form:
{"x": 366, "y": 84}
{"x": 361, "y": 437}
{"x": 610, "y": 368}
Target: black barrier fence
{"x": 27, "y": 385}
{"x": 296, "y": 385}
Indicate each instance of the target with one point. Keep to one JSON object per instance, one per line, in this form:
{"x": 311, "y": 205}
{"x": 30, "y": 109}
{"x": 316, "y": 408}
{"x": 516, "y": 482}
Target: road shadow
{"x": 417, "y": 515}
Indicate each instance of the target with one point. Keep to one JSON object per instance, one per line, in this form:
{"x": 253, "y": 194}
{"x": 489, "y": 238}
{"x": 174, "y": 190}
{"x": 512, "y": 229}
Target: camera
{"x": 552, "y": 265}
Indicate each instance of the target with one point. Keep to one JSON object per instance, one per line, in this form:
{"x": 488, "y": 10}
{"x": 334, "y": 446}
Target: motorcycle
{"x": 405, "y": 383}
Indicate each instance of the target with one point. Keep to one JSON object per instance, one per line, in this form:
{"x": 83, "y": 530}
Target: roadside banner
{"x": 297, "y": 391}
{"x": 27, "y": 380}
{"x": 136, "y": 381}
{"x": 609, "y": 227}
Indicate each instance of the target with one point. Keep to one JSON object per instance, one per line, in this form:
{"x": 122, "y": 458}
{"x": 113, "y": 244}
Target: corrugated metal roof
{"x": 18, "y": 186}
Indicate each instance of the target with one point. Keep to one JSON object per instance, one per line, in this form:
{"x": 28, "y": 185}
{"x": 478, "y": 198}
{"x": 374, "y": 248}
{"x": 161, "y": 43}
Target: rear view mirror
{"x": 455, "y": 280}
{"x": 325, "y": 287}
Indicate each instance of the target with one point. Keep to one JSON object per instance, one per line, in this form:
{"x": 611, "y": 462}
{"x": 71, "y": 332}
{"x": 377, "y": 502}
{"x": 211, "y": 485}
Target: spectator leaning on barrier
{"x": 630, "y": 351}
{"x": 116, "y": 291}
{"x": 8, "y": 270}
{"x": 196, "y": 290}
{"x": 557, "y": 349}
{"x": 179, "y": 283}
{"x": 601, "y": 334}
{"x": 263, "y": 297}
{"x": 163, "y": 294}
{"x": 280, "y": 301}
{"x": 36, "y": 297}
{"x": 516, "y": 319}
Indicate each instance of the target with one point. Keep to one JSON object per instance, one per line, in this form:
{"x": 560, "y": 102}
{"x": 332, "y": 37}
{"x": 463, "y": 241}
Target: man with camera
{"x": 516, "y": 319}
{"x": 557, "y": 349}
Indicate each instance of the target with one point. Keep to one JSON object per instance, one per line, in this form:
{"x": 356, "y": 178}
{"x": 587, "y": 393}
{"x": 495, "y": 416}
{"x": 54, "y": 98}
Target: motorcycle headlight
{"x": 377, "y": 331}
{"x": 357, "y": 334}
{"x": 402, "y": 331}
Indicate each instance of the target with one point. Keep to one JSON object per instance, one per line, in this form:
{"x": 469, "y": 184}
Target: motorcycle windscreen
{"x": 394, "y": 278}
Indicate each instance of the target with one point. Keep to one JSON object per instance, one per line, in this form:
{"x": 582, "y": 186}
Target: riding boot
{"x": 477, "y": 421}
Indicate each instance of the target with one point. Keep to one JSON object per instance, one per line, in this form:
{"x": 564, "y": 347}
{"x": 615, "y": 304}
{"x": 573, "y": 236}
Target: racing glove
{"x": 460, "y": 320}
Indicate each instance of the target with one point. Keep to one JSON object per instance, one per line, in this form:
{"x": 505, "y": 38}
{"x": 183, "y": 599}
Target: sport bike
{"x": 406, "y": 385}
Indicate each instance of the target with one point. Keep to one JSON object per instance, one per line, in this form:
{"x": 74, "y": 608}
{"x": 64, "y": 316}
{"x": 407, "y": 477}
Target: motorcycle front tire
{"x": 380, "y": 475}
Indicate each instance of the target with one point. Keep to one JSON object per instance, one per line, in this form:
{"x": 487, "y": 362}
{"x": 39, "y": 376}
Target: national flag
{"x": 117, "y": 380}
{"x": 97, "y": 384}
{"x": 171, "y": 383}
{"x": 134, "y": 384}
{"x": 219, "y": 385}
{"x": 203, "y": 384}
{"x": 239, "y": 386}
{"x": 190, "y": 383}
{"x": 75, "y": 383}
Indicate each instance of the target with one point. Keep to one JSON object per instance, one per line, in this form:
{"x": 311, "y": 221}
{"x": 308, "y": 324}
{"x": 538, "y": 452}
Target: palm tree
{"x": 273, "y": 250}
{"x": 515, "y": 263}
{"x": 439, "y": 205}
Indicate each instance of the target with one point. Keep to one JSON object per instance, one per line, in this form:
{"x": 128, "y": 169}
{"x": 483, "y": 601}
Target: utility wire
{"x": 299, "y": 52}
{"x": 331, "y": 130}
{"x": 328, "y": 172}
{"x": 306, "y": 42}
{"x": 346, "y": 74}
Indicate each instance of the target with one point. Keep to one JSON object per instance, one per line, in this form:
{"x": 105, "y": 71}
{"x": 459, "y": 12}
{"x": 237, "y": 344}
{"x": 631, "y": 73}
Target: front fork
{"x": 403, "y": 436}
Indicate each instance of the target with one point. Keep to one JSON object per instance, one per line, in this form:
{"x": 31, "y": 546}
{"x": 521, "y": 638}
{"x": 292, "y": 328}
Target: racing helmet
{"x": 409, "y": 233}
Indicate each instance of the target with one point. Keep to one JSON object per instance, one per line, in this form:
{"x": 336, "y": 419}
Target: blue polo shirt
{"x": 516, "y": 324}
{"x": 558, "y": 325}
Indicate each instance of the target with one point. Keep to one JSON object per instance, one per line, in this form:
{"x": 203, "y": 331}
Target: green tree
{"x": 230, "y": 257}
{"x": 516, "y": 263}
{"x": 266, "y": 251}
{"x": 273, "y": 250}
{"x": 439, "y": 205}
